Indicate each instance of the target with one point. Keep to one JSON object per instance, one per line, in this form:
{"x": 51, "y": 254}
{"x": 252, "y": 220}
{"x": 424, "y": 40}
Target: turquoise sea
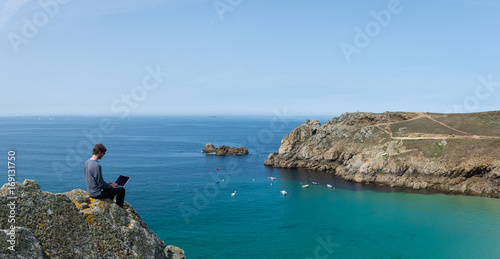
{"x": 173, "y": 187}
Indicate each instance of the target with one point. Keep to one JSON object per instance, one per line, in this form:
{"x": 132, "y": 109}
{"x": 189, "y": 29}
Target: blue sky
{"x": 243, "y": 57}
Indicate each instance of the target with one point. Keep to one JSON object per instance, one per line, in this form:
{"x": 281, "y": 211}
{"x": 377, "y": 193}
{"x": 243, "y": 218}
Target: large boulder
{"x": 74, "y": 225}
{"x": 20, "y": 243}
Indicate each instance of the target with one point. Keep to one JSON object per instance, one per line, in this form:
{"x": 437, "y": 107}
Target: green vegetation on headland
{"x": 457, "y": 153}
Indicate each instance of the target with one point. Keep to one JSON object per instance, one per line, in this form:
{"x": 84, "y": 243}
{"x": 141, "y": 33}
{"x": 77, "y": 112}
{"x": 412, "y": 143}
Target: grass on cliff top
{"x": 422, "y": 125}
{"x": 434, "y": 150}
{"x": 483, "y": 123}
{"x": 455, "y": 149}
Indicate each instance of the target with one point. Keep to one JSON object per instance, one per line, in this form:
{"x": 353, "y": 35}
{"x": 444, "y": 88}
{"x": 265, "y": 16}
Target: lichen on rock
{"x": 74, "y": 225}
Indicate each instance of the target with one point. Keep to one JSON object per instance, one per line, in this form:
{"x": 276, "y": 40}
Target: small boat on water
{"x": 271, "y": 178}
{"x": 329, "y": 186}
{"x": 315, "y": 183}
{"x": 305, "y": 185}
{"x": 284, "y": 192}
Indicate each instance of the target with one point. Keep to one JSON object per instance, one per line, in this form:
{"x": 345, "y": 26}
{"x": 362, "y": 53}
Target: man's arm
{"x": 100, "y": 181}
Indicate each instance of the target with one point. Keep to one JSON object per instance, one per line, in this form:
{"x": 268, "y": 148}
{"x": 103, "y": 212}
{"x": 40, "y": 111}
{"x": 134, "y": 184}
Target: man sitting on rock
{"x": 96, "y": 187}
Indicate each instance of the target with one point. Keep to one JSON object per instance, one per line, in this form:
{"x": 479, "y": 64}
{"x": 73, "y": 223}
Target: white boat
{"x": 305, "y": 185}
{"x": 284, "y": 192}
{"x": 329, "y": 186}
{"x": 234, "y": 193}
{"x": 271, "y": 178}
{"x": 315, "y": 183}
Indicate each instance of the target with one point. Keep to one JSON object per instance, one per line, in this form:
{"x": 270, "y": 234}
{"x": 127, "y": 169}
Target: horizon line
{"x": 334, "y": 114}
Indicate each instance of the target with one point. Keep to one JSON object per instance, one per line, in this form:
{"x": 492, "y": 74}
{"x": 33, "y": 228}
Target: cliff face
{"x": 72, "y": 225}
{"x": 457, "y": 153}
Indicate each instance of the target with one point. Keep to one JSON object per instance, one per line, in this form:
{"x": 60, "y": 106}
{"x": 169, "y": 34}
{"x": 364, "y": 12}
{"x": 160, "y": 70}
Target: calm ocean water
{"x": 173, "y": 187}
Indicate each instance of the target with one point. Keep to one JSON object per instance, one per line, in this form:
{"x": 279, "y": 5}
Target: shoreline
{"x": 367, "y": 148}
{"x": 374, "y": 187}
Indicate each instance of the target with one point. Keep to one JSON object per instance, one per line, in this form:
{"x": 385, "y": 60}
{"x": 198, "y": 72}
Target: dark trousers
{"x": 111, "y": 193}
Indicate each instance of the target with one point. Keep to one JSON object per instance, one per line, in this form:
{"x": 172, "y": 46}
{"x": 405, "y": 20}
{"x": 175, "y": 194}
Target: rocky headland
{"x": 457, "y": 153}
{"x": 224, "y": 150}
{"x": 73, "y": 225}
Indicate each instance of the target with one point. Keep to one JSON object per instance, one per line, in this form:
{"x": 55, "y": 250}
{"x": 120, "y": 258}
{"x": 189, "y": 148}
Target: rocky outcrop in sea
{"x": 73, "y": 225}
{"x": 224, "y": 150}
{"x": 458, "y": 153}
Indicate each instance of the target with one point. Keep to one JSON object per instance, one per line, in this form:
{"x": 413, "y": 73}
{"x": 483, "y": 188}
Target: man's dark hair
{"x": 99, "y": 147}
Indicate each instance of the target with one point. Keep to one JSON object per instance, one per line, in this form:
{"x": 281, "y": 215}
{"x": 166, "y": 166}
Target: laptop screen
{"x": 122, "y": 180}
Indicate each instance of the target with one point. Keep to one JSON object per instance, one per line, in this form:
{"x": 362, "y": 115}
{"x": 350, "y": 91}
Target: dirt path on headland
{"x": 388, "y": 124}
{"x": 430, "y": 135}
{"x": 446, "y": 125}
{"x": 438, "y": 136}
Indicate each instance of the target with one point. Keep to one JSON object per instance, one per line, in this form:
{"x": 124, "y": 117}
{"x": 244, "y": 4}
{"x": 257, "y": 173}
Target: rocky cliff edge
{"x": 458, "y": 153}
{"x": 73, "y": 225}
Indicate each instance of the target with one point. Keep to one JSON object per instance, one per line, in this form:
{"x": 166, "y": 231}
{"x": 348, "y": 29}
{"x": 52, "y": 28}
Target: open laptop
{"x": 121, "y": 181}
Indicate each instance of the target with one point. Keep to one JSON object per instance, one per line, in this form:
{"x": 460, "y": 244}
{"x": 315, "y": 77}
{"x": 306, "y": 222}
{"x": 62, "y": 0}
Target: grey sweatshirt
{"x": 93, "y": 178}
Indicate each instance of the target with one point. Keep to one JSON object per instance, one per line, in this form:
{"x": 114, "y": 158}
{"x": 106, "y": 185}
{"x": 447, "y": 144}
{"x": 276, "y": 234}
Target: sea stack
{"x": 224, "y": 150}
